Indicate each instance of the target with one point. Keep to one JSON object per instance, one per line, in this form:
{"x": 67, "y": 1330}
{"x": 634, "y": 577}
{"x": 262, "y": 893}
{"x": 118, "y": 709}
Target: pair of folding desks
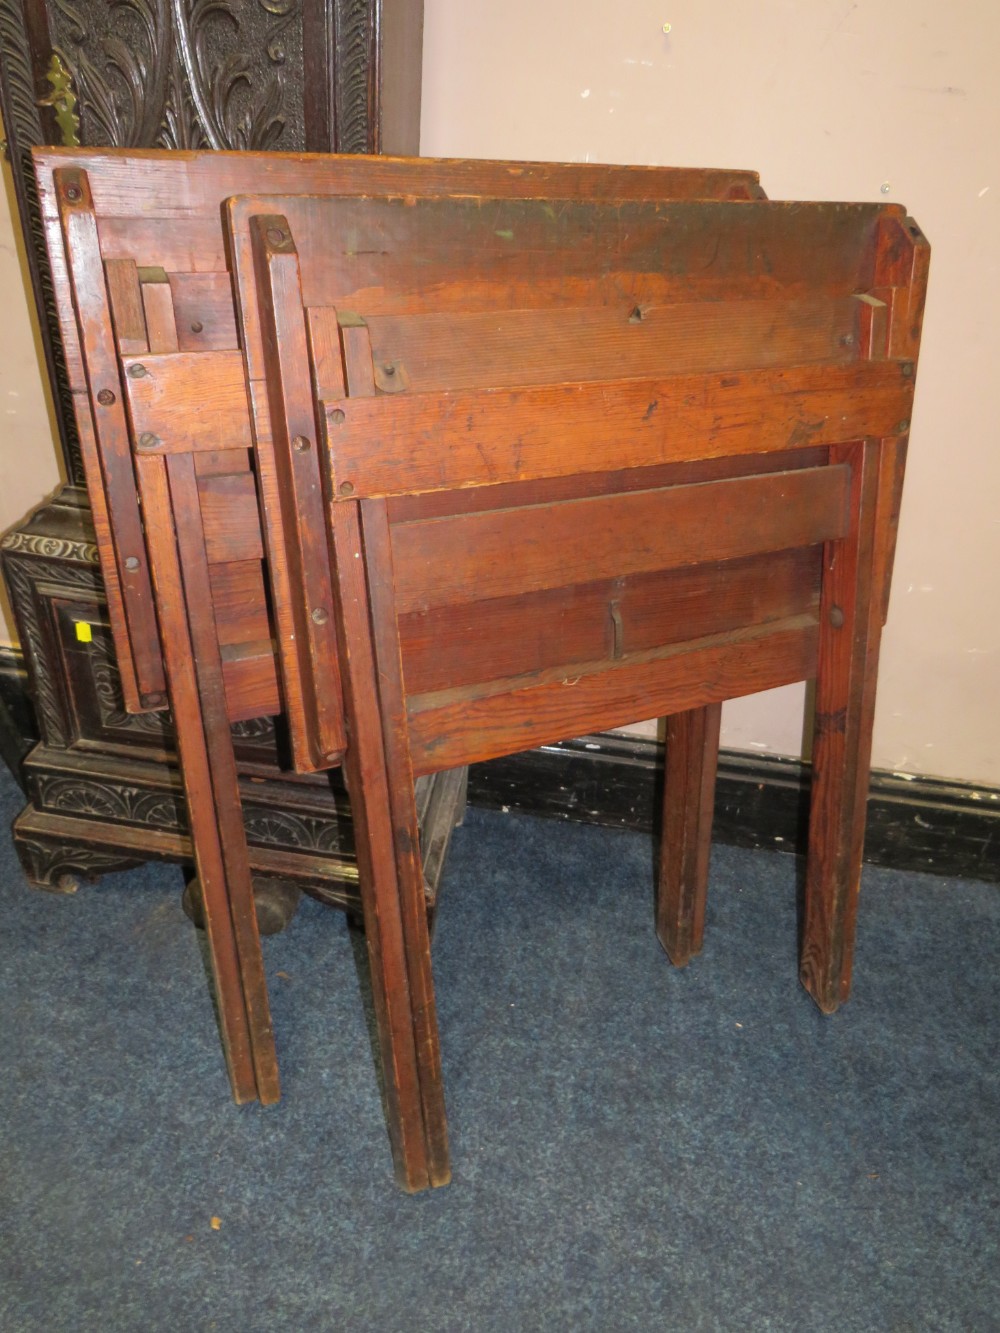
{"x": 445, "y": 460}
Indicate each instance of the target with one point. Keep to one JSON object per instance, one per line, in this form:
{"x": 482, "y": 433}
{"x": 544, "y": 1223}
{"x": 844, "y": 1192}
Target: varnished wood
{"x": 850, "y": 628}
{"x": 197, "y": 777}
{"x": 469, "y": 642}
{"x": 501, "y": 553}
{"x": 692, "y": 754}
{"x": 619, "y": 491}
{"x": 213, "y": 714}
{"x": 381, "y": 892}
{"x": 122, "y": 548}
{"x": 308, "y": 642}
{"x": 464, "y": 438}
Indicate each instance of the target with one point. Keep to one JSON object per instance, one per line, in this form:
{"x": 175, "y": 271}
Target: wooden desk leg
{"x": 850, "y": 629}
{"x": 241, "y": 1045}
{"x": 685, "y": 844}
{"x": 392, "y": 889}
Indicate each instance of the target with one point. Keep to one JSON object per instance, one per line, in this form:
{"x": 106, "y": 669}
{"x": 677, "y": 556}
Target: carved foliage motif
{"x": 127, "y": 804}
{"x": 184, "y": 73}
{"x": 355, "y": 53}
{"x": 55, "y": 865}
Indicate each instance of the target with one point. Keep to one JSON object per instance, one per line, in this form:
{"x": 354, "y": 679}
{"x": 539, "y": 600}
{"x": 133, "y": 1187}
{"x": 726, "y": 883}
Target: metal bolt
{"x": 847, "y": 340}
{"x": 276, "y": 236}
{"x": 147, "y": 440}
{"x": 132, "y": 562}
{"x": 903, "y": 425}
{"x": 152, "y": 700}
{"x": 137, "y": 371}
{"x": 885, "y": 187}
{"x": 837, "y": 617}
{"x": 390, "y": 369}
{"x": 197, "y": 326}
{"x": 105, "y": 398}
{"x": 74, "y": 194}
{"x": 300, "y": 444}
{"x": 347, "y": 488}
{"x": 337, "y": 416}
{"x": 320, "y": 615}
{"x": 907, "y": 368}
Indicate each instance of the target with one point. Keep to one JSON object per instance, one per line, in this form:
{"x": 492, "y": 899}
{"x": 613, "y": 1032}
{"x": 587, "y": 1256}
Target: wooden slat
{"x": 163, "y": 389}
{"x": 176, "y": 187}
{"x": 467, "y": 726}
{"x": 611, "y": 342}
{"x": 473, "y": 557}
{"x": 239, "y": 602}
{"x": 105, "y": 551}
{"x": 358, "y": 369}
{"x": 548, "y": 490}
{"x": 209, "y": 462}
{"x": 472, "y": 642}
{"x": 251, "y": 685}
{"x": 125, "y": 299}
{"x": 158, "y": 303}
{"x": 130, "y": 570}
{"x": 203, "y": 303}
{"x": 406, "y": 442}
{"x": 297, "y": 538}
{"x": 325, "y": 353}
{"x": 381, "y": 256}
{"x": 229, "y": 509}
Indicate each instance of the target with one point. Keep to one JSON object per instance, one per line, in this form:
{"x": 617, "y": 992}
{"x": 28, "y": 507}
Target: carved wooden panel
{"x": 184, "y": 73}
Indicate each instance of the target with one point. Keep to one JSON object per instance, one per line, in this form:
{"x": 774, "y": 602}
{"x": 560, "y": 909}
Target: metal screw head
{"x": 885, "y": 187}
{"x": 147, "y": 440}
{"x": 837, "y": 617}
{"x": 132, "y": 563}
{"x": 197, "y": 326}
{"x": 907, "y": 368}
{"x": 337, "y": 416}
{"x": 300, "y": 444}
{"x": 346, "y": 488}
{"x": 847, "y": 340}
{"x": 152, "y": 700}
{"x": 389, "y": 368}
{"x": 74, "y": 194}
{"x": 320, "y": 615}
{"x": 105, "y": 398}
{"x": 137, "y": 371}
{"x": 903, "y": 425}
{"x": 277, "y": 236}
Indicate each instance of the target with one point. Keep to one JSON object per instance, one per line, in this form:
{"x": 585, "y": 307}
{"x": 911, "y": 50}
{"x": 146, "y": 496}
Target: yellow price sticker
{"x": 84, "y": 633}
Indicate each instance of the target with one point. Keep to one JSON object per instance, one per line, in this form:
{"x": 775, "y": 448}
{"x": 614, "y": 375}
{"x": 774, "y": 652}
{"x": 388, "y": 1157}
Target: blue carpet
{"x": 633, "y": 1147}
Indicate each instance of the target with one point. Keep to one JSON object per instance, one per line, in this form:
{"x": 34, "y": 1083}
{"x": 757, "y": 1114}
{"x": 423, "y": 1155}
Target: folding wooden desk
{"x": 138, "y": 254}
{"x": 651, "y": 454}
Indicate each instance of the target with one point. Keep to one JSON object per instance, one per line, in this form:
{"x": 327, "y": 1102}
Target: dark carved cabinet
{"x": 339, "y": 75}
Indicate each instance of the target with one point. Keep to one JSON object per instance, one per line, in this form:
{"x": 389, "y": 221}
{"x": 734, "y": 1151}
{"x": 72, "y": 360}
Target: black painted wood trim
{"x": 914, "y": 823}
